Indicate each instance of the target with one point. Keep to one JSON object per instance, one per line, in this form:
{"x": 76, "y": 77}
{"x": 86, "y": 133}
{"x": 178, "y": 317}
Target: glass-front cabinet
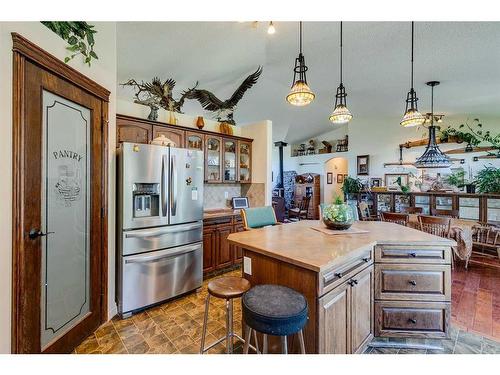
{"x": 245, "y": 156}
{"x": 401, "y": 202}
{"x": 213, "y": 158}
{"x": 468, "y": 208}
{"x": 384, "y": 202}
{"x": 424, "y": 202}
{"x": 194, "y": 141}
{"x": 230, "y": 160}
{"x": 493, "y": 209}
{"x": 444, "y": 203}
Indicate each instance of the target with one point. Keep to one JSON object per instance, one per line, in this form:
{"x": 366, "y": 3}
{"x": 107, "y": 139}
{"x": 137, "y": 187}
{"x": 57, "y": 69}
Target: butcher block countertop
{"x": 219, "y": 212}
{"x": 297, "y": 243}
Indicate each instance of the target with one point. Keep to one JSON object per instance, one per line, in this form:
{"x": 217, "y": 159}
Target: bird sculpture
{"x": 224, "y": 109}
{"x": 156, "y": 94}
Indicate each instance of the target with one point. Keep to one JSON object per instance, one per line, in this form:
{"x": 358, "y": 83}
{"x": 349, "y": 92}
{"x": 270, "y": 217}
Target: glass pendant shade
{"x": 300, "y": 94}
{"x": 341, "y": 114}
{"x": 432, "y": 157}
{"x": 412, "y": 118}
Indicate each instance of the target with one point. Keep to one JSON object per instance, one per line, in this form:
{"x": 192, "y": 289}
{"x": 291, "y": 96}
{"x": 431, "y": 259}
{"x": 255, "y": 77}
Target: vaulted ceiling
{"x": 464, "y": 56}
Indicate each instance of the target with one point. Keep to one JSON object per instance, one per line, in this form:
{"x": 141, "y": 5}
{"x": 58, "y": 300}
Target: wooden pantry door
{"x": 59, "y": 203}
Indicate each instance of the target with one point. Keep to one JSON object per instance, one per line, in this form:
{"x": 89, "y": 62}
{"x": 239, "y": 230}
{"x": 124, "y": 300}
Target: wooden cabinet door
{"x": 213, "y": 159}
{"x": 223, "y": 249}
{"x": 209, "y": 245}
{"x": 174, "y": 135}
{"x": 195, "y": 140}
{"x": 334, "y": 321}
{"x": 362, "y": 309}
{"x": 245, "y": 162}
{"x": 236, "y": 250}
{"x": 128, "y": 131}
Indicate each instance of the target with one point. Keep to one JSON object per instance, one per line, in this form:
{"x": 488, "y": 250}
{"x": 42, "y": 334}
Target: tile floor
{"x": 175, "y": 327}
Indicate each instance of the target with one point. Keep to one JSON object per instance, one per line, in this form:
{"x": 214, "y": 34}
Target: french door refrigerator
{"x": 159, "y": 224}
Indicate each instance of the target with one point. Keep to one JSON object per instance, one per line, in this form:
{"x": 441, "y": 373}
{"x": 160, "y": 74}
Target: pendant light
{"x": 340, "y": 115}
{"x": 432, "y": 157}
{"x": 300, "y": 93}
{"x": 412, "y": 117}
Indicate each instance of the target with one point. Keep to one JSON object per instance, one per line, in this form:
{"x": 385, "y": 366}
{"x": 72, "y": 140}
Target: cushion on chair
{"x": 259, "y": 217}
{"x": 274, "y": 310}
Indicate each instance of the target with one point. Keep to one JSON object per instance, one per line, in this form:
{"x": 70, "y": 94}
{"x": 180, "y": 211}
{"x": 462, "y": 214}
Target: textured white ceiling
{"x": 464, "y": 56}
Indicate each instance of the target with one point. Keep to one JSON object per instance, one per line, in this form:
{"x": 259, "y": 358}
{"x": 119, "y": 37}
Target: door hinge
{"x": 103, "y": 212}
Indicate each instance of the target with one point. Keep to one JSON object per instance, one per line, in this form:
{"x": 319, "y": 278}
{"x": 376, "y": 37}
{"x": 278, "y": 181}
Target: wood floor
{"x": 475, "y": 299}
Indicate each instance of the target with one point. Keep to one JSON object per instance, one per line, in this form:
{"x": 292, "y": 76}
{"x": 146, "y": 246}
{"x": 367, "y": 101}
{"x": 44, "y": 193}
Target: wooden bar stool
{"x": 228, "y": 288}
{"x": 274, "y": 310}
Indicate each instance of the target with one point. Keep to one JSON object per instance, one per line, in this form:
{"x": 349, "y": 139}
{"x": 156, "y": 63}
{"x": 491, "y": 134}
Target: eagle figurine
{"x": 224, "y": 109}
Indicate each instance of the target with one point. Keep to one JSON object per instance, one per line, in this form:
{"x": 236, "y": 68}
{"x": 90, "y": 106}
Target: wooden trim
{"x": 104, "y": 212}
{"x": 34, "y": 53}
{"x": 179, "y": 127}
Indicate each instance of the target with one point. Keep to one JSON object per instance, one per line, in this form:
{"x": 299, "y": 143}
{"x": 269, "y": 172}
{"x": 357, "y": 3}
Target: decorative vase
{"x": 172, "y": 118}
{"x": 200, "y": 123}
{"x": 338, "y": 216}
{"x": 226, "y": 128}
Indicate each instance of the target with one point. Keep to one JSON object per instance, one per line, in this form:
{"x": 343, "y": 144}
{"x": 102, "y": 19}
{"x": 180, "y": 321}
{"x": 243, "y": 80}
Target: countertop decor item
{"x": 300, "y": 93}
{"x": 156, "y": 94}
{"x": 432, "y": 156}
{"x": 341, "y": 114}
{"x": 225, "y": 109}
{"x": 79, "y": 35}
{"x": 412, "y": 116}
{"x": 338, "y": 215}
{"x": 200, "y": 123}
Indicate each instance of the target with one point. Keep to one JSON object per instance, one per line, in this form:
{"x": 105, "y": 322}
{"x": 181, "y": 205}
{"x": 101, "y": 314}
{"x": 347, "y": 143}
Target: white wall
{"x": 335, "y": 166}
{"x": 103, "y": 71}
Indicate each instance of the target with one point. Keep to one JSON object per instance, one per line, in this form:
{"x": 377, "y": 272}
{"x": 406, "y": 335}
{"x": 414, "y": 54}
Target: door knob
{"x": 35, "y": 233}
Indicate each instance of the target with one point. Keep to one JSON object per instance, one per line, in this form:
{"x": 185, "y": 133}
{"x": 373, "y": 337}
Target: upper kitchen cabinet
{"x": 132, "y": 131}
{"x": 245, "y": 164}
{"x": 230, "y": 161}
{"x": 195, "y": 141}
{"x": 175, "y": 135}
{"x": 213, "y": 159}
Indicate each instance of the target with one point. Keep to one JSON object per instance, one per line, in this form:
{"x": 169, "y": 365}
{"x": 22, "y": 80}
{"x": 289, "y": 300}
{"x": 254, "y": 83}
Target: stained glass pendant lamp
{"x": 412, "y": 116}
{"x": 341, "y": 114}
{"x": 300, "y": 94}
{"x": 432, "y": 156}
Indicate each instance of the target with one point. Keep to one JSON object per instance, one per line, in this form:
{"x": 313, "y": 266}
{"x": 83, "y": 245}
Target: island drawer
{"x": 331, "y": 278}
{"x": 424, "y": 282}
{"x": 412, "y": 319}
{"x": 412, "y": 254}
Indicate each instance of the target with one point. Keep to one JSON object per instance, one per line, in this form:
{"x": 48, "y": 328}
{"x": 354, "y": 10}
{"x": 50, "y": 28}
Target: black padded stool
{"x": 274, "y": 310}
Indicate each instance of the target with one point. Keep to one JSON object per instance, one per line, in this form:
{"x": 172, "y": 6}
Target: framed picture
{"x": 329, "y": 178}
{"x": 391, "y": 179}
{"x": 375, "y": 182}
{"x": 363, "y": 162}
{"x": 340, "y": 178}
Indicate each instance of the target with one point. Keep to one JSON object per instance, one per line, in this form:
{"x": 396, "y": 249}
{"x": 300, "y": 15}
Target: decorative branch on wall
{"x": 156, "y": 94}
{"x": 225, "y": 109}
{"x": 79, "y": 35}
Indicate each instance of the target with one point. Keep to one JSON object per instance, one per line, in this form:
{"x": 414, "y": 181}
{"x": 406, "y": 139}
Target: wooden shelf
{"x": 474, "y": 149}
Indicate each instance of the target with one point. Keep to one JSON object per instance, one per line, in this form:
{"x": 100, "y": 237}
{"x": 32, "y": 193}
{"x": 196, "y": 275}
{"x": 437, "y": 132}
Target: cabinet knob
{"x": 339, "y": 275}
{"x": 413, "y": 255}
{"x": 412, "y": 282}
{"x": 411, "y": 320}
{"x": 366, "y": 259}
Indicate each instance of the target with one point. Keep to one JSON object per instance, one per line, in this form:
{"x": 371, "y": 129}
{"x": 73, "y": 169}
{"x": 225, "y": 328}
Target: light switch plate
{"x": 247, "y": 265}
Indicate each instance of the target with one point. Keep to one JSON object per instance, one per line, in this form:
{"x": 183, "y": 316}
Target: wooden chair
{"x": 413, "y": 210}
{"x": 397, "y": 218}
{"x": 258, "y": 217}
{"x": 300, "y": 212}
{"x": 463, "y": 250}
{"x": 279, "y": 208}
{"x": 439, "y": 226}
{"x": 445, "y": 213}
{"x": 364, "y": 212}
{"x": 486, "y": 236}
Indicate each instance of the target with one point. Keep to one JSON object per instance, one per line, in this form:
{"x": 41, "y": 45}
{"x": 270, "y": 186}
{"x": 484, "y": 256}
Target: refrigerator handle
{"x": 173, "y": 184}
{"x": 163, "y": 186}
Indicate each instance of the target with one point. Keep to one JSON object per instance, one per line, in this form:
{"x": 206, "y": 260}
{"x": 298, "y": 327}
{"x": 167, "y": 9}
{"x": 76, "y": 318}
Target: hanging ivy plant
{"x": 79, "y": 35}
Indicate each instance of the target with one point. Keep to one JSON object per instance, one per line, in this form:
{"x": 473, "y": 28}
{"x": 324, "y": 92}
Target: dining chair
{"x": 364, "y": 212}
{"x": 413, "y": 210}
{"x": 439, "y": 226}
{"x": 300, "y": 212}
{"x": 445, "y": 213}
{"x": 258, "y": 217}
{"x": 394, "y": 217}
{"x": 486, "y": 237}
{"x": 463, "y": 250}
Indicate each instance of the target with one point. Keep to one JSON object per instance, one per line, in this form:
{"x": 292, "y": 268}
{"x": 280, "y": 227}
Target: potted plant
{"x": 351, "y": 186}
{"x": 338, "y": 215}
{"x": 456, "y": 179}
{"x": 488, "y": 180}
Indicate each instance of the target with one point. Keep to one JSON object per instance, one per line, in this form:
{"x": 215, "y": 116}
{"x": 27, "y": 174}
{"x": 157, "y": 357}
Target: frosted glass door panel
{"x": 493, "y": 207}
{"x": 469, "y": 208}
{"x": 65, "y": 216}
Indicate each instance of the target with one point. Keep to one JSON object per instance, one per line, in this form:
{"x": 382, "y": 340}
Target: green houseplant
{"x": 351, "y": 186}
{"x": 488, "y": 180}
{"x": 338, "y": 215}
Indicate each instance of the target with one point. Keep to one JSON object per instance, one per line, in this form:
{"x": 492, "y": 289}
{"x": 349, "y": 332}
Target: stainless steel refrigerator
{"x": 159, "y": 224}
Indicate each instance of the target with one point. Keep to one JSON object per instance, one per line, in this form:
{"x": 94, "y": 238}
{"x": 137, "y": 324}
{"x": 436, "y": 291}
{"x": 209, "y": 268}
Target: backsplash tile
{"x": 255, "y": 193}
{"x": 214, "y": 195}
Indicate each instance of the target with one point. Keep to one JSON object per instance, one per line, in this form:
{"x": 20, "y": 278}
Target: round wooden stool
{"x": 228, "y": 288}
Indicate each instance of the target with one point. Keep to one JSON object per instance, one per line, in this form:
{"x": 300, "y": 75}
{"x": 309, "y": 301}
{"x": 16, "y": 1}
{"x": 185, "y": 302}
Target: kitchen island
{"x": 391, "y": 281}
